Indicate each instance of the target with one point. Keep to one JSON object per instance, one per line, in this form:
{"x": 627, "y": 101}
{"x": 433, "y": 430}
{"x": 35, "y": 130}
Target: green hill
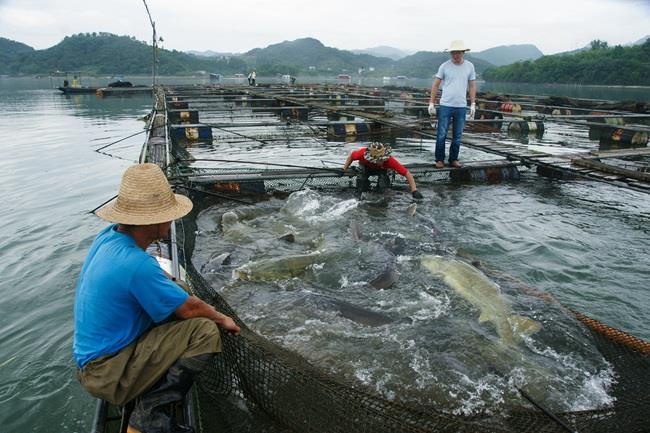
{"x": 300, "y": 54}
{"x": 106, "y": 53}
{"x": 598, "y": 65}
{"x": 507, "y": 54}
{"x": 9, "y": 51}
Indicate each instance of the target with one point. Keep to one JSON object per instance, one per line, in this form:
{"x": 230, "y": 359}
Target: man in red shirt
{"x": 375, "y": 160}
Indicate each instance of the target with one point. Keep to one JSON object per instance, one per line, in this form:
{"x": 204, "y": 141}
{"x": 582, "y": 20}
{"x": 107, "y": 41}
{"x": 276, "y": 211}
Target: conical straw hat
{"x": 145, "y": 198}
{"x": 457, "y": 45}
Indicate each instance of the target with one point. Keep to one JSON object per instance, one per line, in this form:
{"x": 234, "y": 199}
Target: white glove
{"x": 472, "y": 110}
{"x": 432, "y": 109}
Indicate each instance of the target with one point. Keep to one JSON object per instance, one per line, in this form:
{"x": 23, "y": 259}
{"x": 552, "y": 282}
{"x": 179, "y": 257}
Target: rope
{"x": 122, "y": 139}
{"x": 334, "y": 170}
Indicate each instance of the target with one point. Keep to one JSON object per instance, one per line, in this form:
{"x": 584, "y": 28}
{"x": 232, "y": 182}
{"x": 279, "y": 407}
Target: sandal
{"x": 440, "y": 164}
{"x": 455, "y": 164}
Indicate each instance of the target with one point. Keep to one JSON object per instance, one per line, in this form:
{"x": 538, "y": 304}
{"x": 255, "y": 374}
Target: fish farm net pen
{"x": 287, "y": 393}
{"x": 259, "y": 386}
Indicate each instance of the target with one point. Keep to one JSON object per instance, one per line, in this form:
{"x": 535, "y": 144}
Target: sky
{"x": 411, "y": 25}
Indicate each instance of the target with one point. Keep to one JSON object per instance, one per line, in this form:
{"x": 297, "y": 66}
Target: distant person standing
{"x": 251, "y": 78}
{"x": 455, "y": 75}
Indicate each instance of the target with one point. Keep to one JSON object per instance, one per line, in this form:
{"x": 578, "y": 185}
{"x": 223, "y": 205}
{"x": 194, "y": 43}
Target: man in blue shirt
{"x": 139, "y": 335}
{"x": 455, "y": 75}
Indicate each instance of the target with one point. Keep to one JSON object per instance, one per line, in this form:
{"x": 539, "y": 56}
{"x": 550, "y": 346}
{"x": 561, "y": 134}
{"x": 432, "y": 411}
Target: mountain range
{"x": 498, "y": 56}
{"x": 105, "y": 53}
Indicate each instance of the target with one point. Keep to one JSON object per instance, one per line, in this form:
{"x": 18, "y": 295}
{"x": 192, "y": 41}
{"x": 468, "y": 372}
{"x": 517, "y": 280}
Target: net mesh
{"x": 256, "y": 385}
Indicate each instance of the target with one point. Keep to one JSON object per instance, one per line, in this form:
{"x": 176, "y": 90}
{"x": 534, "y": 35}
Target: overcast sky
{"x": 413, "y": 25}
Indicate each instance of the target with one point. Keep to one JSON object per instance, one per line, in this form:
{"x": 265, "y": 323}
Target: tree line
{"x": 599, "y": 64}
{"x": 106, "y": 53}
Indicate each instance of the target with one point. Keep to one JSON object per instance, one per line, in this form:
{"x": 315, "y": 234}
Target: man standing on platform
{"x": 455, "y": 75}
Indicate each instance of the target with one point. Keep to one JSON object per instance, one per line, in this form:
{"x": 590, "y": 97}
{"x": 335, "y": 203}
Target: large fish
{"x": 360, "y": 315}
{"x": 278, "y": 268}
{"x": 484, "y": 294}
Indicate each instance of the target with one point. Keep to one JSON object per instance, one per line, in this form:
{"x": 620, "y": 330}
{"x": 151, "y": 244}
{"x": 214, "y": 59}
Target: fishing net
{"x": 256, "y": 385}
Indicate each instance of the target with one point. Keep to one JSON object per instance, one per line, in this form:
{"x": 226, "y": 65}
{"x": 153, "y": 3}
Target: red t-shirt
{"x": 392, "y": 163}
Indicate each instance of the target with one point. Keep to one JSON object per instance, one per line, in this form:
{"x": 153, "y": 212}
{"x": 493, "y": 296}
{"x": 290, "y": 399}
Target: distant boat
{"x": 71, "y": 82}
{"x": 401, "y": 77}
{"x": 120, "y": 83}
{"x": 69, "y": 90}
{"x": 344, "y": 79}
{"x": 75, "y": 88}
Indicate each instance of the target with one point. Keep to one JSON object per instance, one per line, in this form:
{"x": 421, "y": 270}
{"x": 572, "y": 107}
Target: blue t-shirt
{"x": 121, "y": 293}
{"x": 454, "y": 82}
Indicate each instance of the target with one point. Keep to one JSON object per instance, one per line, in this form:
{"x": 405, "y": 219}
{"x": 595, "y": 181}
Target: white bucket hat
{"x": 145, "y": 197}
{"x": 457, "y": 45}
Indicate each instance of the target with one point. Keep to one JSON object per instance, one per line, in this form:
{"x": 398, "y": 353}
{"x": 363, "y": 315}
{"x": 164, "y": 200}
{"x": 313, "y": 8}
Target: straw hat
{"x": 145, "y": 198}
{"x": 457, "y": 46}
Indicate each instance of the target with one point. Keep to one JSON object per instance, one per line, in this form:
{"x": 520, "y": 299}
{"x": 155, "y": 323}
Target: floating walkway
{"x": 361, "y": 113}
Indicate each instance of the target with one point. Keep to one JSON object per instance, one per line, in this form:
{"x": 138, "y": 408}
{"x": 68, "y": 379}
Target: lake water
{"x": 584, "y": 242}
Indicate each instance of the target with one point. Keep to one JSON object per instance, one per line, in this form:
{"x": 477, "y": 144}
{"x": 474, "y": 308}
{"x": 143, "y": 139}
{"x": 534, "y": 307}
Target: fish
{"x": 278, "y": 268}
{"x": 386, "y": 279}
{"x": 410, "y": 211}
{"x": 289, "y": 237}
{"x": 389, "y": 275}
{"x": 228, "y": 219}
{"x": 355, "y": 313}
{"x": 374, "y": 199}
{"x": 355, "y": 231}
{"x": 233, "y": 229}
{"x": 484, "y": 294}
{"x": 215, "y": 262}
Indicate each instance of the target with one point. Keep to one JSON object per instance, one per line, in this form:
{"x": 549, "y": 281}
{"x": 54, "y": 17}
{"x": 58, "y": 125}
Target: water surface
{"x": 586, "y": 243}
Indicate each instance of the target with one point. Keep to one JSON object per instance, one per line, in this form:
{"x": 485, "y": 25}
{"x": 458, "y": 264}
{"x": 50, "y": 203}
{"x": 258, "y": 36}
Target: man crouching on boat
{"x": 138, "y": 335}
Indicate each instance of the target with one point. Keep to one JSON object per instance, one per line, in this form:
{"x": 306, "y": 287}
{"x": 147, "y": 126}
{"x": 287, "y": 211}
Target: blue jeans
{"x": 445, "y": 114}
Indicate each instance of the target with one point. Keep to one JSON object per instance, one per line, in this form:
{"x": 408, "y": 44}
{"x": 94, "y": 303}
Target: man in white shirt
{"x": 455, "y": 75}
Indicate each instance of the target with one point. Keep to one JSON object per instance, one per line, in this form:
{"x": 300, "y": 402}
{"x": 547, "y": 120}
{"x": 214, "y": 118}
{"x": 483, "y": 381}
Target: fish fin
{"x": 484, "y": 317}
{"x": 524, "y": 325}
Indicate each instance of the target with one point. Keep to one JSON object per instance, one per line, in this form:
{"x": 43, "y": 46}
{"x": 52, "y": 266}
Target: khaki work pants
{"x": 121, "y": 377}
